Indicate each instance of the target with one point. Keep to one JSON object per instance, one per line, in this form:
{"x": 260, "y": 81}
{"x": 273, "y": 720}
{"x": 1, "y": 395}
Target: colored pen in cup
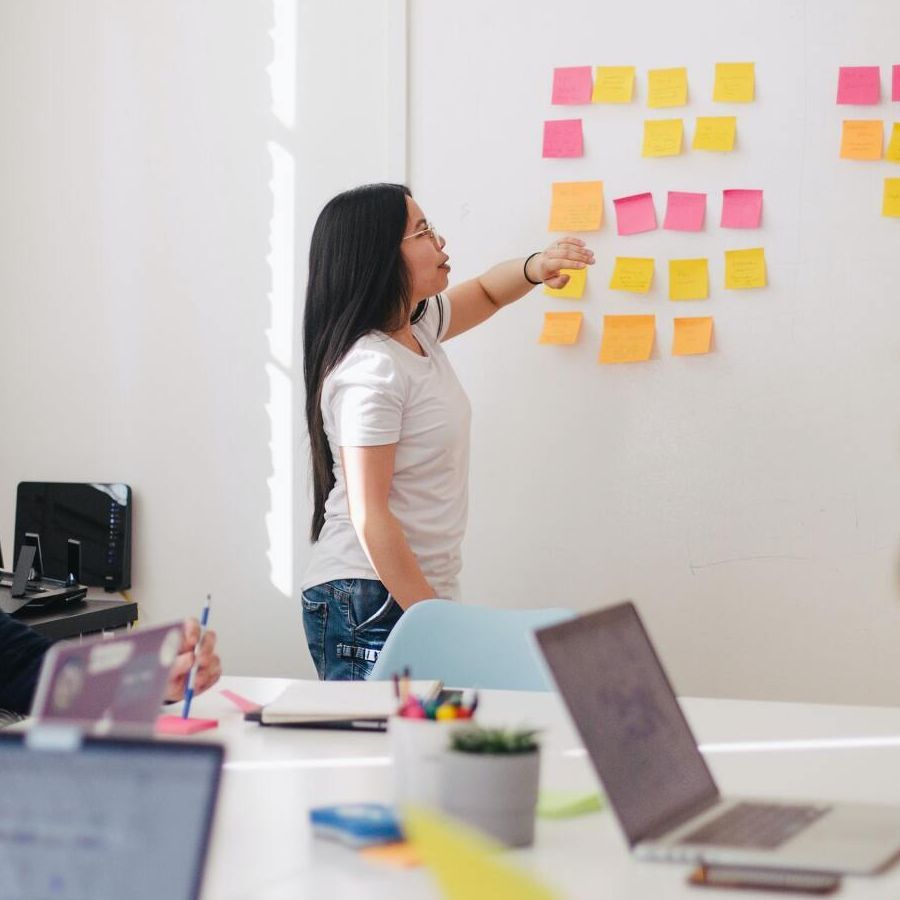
{"x": 192, "y": 673}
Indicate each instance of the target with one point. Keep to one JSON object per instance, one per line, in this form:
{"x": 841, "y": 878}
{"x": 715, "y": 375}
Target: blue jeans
{"x": 346, "y": 624}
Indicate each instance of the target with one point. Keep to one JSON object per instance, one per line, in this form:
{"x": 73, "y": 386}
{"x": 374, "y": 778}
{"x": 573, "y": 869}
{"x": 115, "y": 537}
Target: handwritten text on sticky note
{"x": 561, "y": 328}
{"x": 573, "y": 289}
{"x": 741, "y": 208}
{"x": 563, "y": 138}
{"x": 613, "y": 84}
{"x": 734, "y": 83}
{"x": 745, "y": 268}
{"x": 715, "y": 133}
{"x": 576, "y": 206}
{"x": 892, "y": 153}
{"x": 633, "y": 274}
{"x": 862, "y": 139}
{"x": 859, "y": 85}
{"x": 685, "y": 211}
{"x": 662, "y": 137}
{"x": 688, "y": 279}
{"x": 627, "y": 338}
{"x": 572, "y": 85}
{"x": 666, "y": 87}
{"x": 891, "y": 204}
{"x": 692, "y": 336}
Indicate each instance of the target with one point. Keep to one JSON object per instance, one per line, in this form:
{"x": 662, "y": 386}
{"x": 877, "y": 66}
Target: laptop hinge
{"x": 676, "y": 819}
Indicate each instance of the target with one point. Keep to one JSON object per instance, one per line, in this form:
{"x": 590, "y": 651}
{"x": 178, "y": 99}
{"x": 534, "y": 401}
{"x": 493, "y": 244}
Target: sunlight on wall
{"x": 279, "y": 519}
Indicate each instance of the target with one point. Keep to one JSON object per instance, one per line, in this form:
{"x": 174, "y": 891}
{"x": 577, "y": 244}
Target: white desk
{"x": 262, "y": 846}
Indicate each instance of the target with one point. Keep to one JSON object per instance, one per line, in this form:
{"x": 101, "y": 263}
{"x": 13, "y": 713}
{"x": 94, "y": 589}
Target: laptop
{"x": 657, "y": 781}
{"x": 104, "y": 818}
{"x": 108, "y": 684}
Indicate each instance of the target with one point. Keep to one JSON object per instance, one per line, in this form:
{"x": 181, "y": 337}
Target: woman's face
{"x": 423, "y": 253}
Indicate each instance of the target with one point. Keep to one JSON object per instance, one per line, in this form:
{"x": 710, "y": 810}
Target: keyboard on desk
{"x": 757, "y": 825}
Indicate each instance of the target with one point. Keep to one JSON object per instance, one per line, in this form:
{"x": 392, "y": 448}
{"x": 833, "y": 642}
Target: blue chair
{"x": 469, "y": 646}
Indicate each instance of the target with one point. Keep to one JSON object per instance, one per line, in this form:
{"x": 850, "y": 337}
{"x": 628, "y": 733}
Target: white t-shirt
{"x": 384, "y": 393}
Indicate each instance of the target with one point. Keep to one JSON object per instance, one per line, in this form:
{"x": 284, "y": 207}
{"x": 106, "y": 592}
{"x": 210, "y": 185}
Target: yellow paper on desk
{"x": 613, "y": 84}
{"x": 561, "y": 328}
{"x": 576, "y": 206}
{"x": 734, "y": 83}
{"x": 692, "y": 335}
{"x": 891, "y": 203}
{"x": 688, "y": 279}
{"x": 745, "y": 268}
{"x": 627, "y": 339}
{"x": 632, "y": 273}
{"x": 666, "y": 87}
{"x": 862, "y": 139}
{"x": 573, "y": 288}
{"x": 715, "y": 133}
{"x": 467, "y": 865}
{"x": 662, "y": 137}
{"x": 893, "y": 151}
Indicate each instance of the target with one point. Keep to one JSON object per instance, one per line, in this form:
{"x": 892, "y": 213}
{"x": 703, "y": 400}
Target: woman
{"x": 388, "y": 421}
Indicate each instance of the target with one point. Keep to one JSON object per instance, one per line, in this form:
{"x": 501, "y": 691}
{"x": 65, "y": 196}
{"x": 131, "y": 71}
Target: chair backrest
{"x": 469, "y": 646}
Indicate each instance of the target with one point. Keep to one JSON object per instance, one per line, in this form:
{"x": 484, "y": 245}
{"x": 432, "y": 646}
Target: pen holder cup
{"x": 417, "y": 747}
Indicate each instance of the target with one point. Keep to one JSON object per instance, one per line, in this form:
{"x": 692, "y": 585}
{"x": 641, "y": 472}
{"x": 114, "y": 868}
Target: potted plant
{"x": 489, "y": 779}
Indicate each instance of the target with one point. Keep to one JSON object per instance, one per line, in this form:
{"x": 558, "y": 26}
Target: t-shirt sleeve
{"x": 362, "y": 403}
{"x": 436, "y": 319}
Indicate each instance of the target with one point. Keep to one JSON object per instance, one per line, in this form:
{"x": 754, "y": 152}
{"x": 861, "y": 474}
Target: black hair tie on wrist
{"x": 525, "y": 268}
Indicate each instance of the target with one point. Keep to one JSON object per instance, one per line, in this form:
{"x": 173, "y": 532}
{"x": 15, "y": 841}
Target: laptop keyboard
{"x": 759, "y": 825}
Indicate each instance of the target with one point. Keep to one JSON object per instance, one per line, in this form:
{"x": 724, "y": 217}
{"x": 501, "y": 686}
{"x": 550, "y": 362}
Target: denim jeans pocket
{"x": 315, "y": 622}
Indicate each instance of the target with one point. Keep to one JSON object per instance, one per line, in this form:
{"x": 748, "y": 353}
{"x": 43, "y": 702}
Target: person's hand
{"x": 566, "y": 253}
{"x": 208, "y": 670}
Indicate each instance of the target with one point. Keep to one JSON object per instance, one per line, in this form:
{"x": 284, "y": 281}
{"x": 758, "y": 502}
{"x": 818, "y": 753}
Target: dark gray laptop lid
{"x": 105, "y": 818}
{"x": 629, "y": 720}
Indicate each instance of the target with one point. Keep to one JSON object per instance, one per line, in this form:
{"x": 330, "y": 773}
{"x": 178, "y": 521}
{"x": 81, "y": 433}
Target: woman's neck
{"x": 406, "y": 337}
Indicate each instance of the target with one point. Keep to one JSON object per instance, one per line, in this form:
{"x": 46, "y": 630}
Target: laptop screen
{"x": 629, "y": 719}
{"x": 107, "y": 820}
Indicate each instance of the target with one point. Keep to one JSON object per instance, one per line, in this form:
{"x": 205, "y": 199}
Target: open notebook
{"x": 338, "y": 704}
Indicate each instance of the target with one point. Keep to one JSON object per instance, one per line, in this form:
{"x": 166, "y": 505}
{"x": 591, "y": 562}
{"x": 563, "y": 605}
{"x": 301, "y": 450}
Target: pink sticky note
{"x": 635, "y": 214}
{"x": 563, "y": 137}
{"x": 242, "y": 703}
{"x": 177, "y": 725}
{"x": 685, "y": 211}
{"x": 741, "y": 209}
{"x": 895, "y": 86}
{"x": 859, "y": 85}
{"x": 572, "y": 85}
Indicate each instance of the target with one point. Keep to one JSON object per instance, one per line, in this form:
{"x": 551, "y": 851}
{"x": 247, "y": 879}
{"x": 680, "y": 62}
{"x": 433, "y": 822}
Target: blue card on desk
{"x": 356, "y": 824}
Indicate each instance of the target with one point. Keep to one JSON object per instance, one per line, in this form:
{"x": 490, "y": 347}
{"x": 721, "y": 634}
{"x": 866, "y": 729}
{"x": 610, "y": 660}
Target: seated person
{"x": 22, "y": 652}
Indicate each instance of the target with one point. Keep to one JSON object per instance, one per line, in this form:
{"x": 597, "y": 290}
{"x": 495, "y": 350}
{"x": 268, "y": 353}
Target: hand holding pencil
{"x": 193, "y": 650}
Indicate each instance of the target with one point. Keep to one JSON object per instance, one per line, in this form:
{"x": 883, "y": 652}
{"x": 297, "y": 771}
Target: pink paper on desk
{"x": 635, "y": 214}
{"x": 685, "y": 211}
{"x": 177, "y": 725}
{"x": 563, "y": 137}
{"x": 572, "y": 85}
{"x": 859, "y": 85}
{"x": 895, "y": 85}
{"x": 741, "y": 208}
{"x": 242, "y": 703}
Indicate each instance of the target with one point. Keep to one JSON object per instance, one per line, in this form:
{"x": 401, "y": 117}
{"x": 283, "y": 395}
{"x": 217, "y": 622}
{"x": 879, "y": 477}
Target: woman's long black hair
{"x": 358, "y": 283}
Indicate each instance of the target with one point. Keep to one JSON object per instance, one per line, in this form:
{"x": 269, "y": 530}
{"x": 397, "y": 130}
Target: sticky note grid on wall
{"x": 577, "y": 207}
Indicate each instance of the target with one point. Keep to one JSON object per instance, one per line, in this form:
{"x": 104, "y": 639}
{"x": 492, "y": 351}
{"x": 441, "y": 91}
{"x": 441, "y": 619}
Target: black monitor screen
{"x": 98, "y": 515}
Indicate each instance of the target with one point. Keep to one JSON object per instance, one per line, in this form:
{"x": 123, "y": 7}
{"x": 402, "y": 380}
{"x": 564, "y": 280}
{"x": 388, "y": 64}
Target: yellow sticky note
{"x": 632, "y": 273}
{"x": 627, "y": 338}
{"x": 576, "y": 206}
{"x": 467, "y": 865}
{"x": 862, "y": 139}
{"x": 893, "y": 150}
{"x": 734, "y": 83}
{"x": 688, "y": 279}
{"x": 715, "y": 133}
{"x": 613, "y": 84}
{"x": 745, "y": 268}
{"x": 666, "y": 87}
{"x": 574, "y": 287}
{"x": 561, "y": 328}
{"x": 891, "y": 204}
{"x": 692, "y": 335}
{"x": 662, "y": 137}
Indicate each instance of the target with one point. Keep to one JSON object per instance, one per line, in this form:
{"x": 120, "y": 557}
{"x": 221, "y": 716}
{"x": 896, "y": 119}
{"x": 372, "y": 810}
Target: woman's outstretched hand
{"x": 566, "y": 253}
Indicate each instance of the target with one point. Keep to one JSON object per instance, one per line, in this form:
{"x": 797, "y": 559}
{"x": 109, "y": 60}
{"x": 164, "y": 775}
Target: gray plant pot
{"x": 496, "y": 793}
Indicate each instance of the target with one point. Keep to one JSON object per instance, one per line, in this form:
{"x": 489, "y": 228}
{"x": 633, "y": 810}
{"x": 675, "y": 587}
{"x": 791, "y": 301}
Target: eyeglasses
{"x": 429, "y": 230}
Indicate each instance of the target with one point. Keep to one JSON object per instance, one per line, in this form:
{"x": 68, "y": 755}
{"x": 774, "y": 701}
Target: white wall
{"x": 161, "y": 168}
{"x": 747, "y": 500}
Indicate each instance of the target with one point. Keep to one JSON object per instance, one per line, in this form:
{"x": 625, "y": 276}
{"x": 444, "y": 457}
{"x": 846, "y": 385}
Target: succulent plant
{"x": 494, "y": 740}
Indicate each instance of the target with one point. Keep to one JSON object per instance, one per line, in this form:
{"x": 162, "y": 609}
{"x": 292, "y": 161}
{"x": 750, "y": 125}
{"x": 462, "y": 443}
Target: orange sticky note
{"x": 745, "y": 268}
{"x": 688, "y": 279}
{"x": 667, "y": 87}
{"x": 561, "y": 328}
{"x": 692, "y": 335}
{"x": 613, "y": 84}
{"x": 627, "y": 338}
{"x": 715, "y": 133}
{"x": 573, "y": 288}
{"x": 576, "y": 206}
{"x": 862, "y": 139}
{"x": 662, "y": 137}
